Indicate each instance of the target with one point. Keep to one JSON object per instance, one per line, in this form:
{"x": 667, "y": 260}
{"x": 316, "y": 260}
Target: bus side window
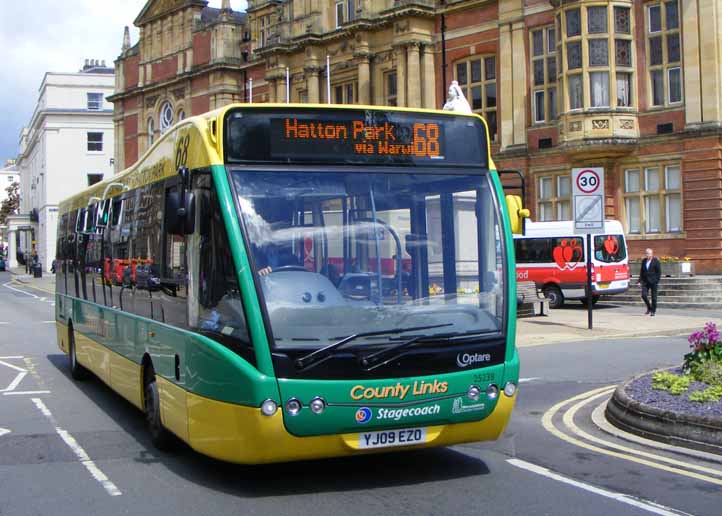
{"x": 221, "y": 311}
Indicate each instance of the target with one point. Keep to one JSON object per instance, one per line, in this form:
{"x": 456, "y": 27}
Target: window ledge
{"x": 657, "y": 236}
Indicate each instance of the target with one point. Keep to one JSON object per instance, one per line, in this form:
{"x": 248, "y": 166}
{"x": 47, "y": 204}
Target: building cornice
{"x": 211, "y": 67}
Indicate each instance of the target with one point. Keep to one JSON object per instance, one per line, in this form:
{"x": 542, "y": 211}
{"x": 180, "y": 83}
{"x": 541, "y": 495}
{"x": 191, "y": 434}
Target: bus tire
{"x": 159, "y": 435}
{"x": 554, "y": 295}
{"x": 77, "y": 371}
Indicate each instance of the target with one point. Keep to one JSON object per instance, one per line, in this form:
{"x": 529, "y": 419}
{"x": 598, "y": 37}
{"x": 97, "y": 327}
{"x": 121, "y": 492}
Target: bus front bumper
{"x": 241, "y": 434}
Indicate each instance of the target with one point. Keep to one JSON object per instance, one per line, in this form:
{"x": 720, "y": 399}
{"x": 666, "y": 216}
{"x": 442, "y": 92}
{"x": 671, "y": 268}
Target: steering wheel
{"x": 286, "y": 268}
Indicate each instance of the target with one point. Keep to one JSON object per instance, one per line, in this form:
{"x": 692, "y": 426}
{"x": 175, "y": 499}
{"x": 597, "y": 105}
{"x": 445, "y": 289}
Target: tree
{"x": 11, "y": 205}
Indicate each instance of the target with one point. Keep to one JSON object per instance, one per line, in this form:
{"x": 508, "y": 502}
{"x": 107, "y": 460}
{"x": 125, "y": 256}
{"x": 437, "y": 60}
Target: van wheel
{"x": 161, "y": 438}
{"x": 554, "y": 295}
{"x": 77, "y": 371}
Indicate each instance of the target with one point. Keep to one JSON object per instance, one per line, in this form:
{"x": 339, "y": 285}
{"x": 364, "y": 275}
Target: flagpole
{"x": 288, "y": 84}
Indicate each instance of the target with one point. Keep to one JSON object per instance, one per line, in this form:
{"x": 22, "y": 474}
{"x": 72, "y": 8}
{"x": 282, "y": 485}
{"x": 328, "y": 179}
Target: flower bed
{"x": 694, "y": 388}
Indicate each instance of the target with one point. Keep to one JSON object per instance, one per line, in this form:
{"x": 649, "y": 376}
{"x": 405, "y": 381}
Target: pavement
{"x": 562, "y": 325}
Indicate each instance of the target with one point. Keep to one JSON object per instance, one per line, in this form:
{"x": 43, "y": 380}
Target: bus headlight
{"x": 474, "y": 393}
{"x": 492, "y": 391}
{"x": 510, "y": 389}
{"x": 317, "y": 405}
{"x": 269, "y": 407}
{"x": 293, "y": 407}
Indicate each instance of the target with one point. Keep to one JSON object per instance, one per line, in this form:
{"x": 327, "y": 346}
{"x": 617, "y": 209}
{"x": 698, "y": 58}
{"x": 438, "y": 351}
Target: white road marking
{"x": 645, "y": 505}
{"x": 527, "y": 380}
{"x": 22, "y": 373}
{"x": 22, "y": 393}
{"x": 7, "y": 285}
{"x": 14, "y": 367}
{"x": 14, "y": 384}
{"x": 79, "y": 452}
{"x": 4, "y": 323}
{"x": 47, "y": 322}
{"x": 4, "y": 431}
{"x": 10, "y": 358}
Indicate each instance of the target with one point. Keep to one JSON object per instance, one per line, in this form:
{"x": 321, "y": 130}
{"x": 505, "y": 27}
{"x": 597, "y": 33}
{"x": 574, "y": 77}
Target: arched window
{"x": 181, "y": 115}
{"x": 166, "y": 117}
{"x": 151, "y": 131}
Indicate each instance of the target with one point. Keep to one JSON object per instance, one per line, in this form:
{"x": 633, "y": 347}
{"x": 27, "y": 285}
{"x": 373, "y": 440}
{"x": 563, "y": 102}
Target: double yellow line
{"x": 584, "y": 440}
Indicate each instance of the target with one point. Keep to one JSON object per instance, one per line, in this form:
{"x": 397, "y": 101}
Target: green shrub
{"x": 674, "y": 383}
{"x": 706, "y": 346}
{"x": 710, "y": 394}
{"x": 709, "y": 372}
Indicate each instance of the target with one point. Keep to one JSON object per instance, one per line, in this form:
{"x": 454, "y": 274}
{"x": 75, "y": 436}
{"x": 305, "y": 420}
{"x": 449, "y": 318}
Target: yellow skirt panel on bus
{"x": 121, "y": 374}
{"x": 93, "y": 356}
{"x": 125, "y": 379}
{"x": 62, "y": 332}
{"x": 242, "y": 434}
{"x": 173, "y": 407}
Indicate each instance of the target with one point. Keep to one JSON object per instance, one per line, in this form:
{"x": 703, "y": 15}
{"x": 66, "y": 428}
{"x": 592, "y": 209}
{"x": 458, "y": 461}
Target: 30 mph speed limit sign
{"x": 588, "y": 197}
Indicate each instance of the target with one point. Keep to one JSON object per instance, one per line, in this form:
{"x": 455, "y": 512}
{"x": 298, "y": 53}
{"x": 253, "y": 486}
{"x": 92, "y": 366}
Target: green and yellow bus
{"x": 282, "y": 282}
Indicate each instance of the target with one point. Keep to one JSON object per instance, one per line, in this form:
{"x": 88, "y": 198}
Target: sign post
{"x": 588, "y": 206}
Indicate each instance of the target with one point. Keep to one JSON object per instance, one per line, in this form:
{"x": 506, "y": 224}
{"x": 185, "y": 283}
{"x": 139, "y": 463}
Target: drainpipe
{"x": 443, "y": 55}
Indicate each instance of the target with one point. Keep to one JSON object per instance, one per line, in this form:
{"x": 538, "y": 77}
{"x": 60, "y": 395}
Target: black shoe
{"x": 647, "y": 312}
{"x": 652, "y": 314}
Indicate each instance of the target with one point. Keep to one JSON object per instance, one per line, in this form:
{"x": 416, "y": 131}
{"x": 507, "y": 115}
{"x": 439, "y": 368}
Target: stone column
{"x": 364, "y": 80}
{"x": 511, "y": 85}
{"x": 414, "y": 79}
{"x": 12, "y": 248}
{"x": 271, "y": 90}
{"x": 281, "y": 89}
{"x": 519, "y": 94}
{"x": 429, "y": 82}
{"x": 400, "y": 52}
{"x": 312, "y": 85}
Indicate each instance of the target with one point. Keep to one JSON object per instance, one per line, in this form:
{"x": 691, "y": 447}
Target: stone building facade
{"x": 66, "y": 147}
{"x": 634, "y": 86}
{"x": 189, "y": 59}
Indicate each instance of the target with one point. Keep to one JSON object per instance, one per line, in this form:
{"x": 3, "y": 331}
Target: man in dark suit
{"x": 649, "y": 275}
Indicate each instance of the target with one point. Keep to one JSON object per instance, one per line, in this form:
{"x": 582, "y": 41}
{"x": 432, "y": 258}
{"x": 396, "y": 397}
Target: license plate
{"x": 604, "y": 284}
{"x": 386, "y": 438}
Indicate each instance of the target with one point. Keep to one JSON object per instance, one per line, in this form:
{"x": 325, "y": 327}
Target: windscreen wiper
{"x": 326, "y": 351}
{"x": 374, "y": 360}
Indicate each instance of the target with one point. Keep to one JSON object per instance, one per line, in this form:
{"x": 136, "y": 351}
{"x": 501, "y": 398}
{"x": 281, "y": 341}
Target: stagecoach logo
{"x": 467, "y": 359}
{"x": 458, "y": 407}
{"x": 363, "y": 415}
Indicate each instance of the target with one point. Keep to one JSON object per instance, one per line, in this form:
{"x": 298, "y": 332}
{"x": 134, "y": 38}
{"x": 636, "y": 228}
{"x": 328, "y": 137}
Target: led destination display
{"x": 354, "y": 137}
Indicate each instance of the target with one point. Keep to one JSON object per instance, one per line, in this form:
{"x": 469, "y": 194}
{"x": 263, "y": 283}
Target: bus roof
{"x": 158, "y": 161}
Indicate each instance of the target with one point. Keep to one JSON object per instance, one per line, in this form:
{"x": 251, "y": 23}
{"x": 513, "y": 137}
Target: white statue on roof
{"x": 456, "y": 100}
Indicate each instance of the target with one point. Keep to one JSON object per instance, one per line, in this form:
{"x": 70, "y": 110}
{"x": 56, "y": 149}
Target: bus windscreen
{"x": 348, "y": 136}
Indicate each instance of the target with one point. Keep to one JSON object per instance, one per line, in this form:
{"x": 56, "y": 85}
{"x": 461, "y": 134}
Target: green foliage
{"x": 709, "y": 372}
{"x": 710, "y": 394}
{"x": 674, "y": 383}
{"x": 10, "y": 205}
{"x": 706, "y": 347}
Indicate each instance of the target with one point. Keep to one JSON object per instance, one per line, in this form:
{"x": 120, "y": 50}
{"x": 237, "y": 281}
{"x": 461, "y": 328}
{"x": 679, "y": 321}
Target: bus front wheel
{"x": 77, "y": 371}
{"x": 161, "y": 438}
{"x": 554, "y": 295}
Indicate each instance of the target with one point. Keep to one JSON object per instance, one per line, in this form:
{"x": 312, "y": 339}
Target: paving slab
{"x": 609, "y": 322}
